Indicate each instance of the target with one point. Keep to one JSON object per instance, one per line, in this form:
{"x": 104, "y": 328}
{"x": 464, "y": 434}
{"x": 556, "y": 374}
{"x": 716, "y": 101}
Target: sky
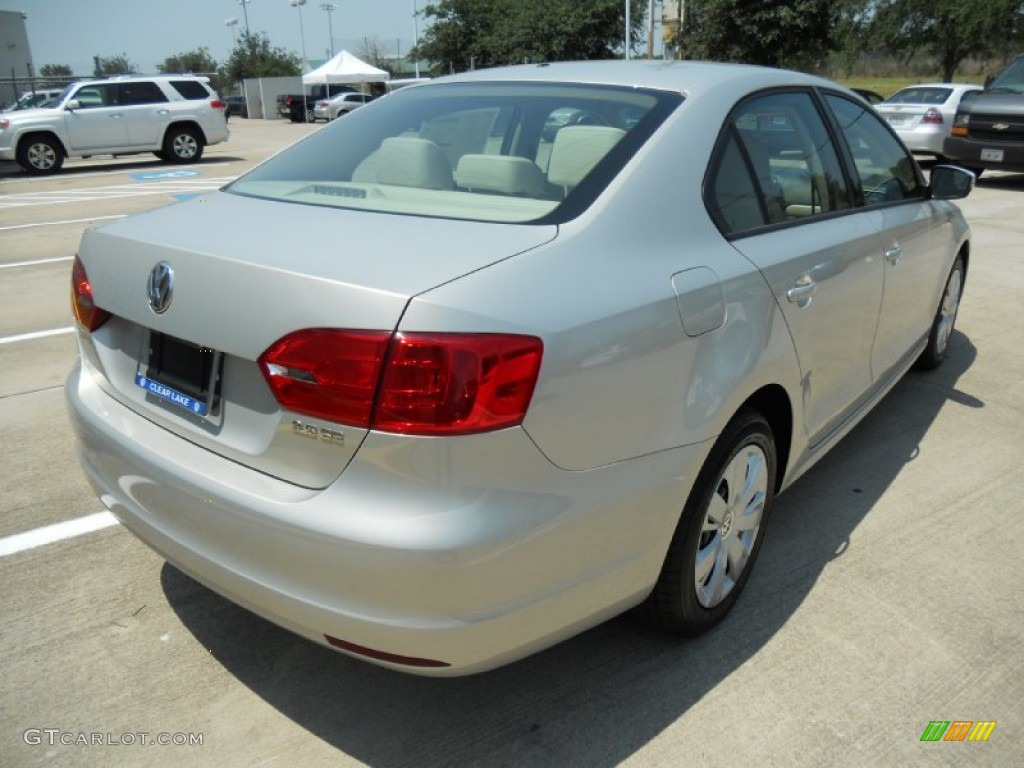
{"x": 148, "y": 31}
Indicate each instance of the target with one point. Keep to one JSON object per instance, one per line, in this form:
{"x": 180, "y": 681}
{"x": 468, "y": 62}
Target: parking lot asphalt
{"x": 887, "y": 595}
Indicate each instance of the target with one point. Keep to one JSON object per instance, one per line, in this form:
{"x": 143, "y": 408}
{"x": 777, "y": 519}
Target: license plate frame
{"x": 181, "y": 374}
{"x": 992, "y": 155}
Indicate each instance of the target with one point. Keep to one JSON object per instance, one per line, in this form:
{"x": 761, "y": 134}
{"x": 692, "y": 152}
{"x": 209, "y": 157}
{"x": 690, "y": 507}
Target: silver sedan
{"x": 922, "y": 115}
{"x": 550, "y": 375}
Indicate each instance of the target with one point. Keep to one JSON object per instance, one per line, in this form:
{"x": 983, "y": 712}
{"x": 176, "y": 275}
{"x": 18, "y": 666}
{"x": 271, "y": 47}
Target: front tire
{"x": 182, "y": 145}
{"x": 945, "y": 319}
{"x": 40, "y": 154}
{"x": 720, "y": 532}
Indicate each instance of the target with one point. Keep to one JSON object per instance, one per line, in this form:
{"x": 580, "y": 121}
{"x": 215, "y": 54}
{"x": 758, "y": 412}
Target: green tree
{"x": 113, "y": 65}
{"x": 774, "y": 33}
{"x": 252, "y": 56}
{"x": 949, "y": 30}
{"x": 195, "y": 62}
{"x": 56, "y": 75}
{"x": 56, "y": 71}
{"x": 484, "y": 33}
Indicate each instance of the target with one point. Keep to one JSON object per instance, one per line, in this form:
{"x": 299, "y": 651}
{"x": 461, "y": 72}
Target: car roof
{"x": 940, "y": 85}
{"x": 687, "y": 77}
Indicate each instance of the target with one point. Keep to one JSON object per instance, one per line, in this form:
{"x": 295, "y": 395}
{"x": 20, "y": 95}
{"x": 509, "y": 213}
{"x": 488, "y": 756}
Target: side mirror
{"x": 72, "y": 105}
{"x": 950, "y": 182}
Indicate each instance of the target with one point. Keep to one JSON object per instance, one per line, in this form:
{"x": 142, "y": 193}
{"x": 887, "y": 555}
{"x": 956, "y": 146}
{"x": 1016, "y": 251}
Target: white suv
{"x": 173, "y": 116}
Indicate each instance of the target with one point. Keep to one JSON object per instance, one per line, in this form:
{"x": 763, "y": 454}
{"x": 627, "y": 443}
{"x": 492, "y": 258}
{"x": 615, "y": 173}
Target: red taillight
{"x": 327, "y": 373}
{"x": 413, "y": 383}
{"x": 456, "y": 384}
{"x": 218, "y": 104}
{"x": 88, "y": 315}
{"x": 932, "y": 117}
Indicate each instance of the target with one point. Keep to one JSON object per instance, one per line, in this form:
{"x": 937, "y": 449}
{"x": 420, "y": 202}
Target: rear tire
{"x": 182, "y": 145}
{"x": 720, "y": 531}
{"x": 945, "y": 319}
{"x": 40, "y": 154}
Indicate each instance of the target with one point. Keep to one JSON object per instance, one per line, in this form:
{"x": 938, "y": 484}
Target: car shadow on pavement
{"x": 598, "y": 698}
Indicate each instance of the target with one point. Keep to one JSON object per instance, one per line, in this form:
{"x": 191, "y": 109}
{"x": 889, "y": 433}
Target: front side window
{"x": 511, "y": 152}
{"x": 776, "y": 164}
{"x": 886, "y": 170}
{"x": 97, "y": 95}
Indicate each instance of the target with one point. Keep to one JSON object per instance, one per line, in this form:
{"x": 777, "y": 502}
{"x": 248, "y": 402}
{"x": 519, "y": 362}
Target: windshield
{"x": 1011, "y": 78}
{"x": 508, "y": 152}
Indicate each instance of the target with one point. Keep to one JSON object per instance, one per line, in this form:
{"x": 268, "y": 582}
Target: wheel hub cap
{"x": 731, "y": 522}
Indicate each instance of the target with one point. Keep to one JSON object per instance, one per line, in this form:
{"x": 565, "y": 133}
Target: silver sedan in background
{"x": 340, "y": 105}
{"x": 922, "y": 115}
{"x": 549, "y": 375}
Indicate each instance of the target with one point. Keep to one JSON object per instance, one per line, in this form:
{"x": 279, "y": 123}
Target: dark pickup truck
{"x": 988, "y": 131}
{"x": 299, "y": 107}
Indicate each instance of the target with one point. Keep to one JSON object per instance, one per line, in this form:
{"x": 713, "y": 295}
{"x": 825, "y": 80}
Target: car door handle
{"x": 802, "y": 292}
{"x": 163, "y": 111}
{"x": 892, "y": 255}
{"x": 115, "y": 117}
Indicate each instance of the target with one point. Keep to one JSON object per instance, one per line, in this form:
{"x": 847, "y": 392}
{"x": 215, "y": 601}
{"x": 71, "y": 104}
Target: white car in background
{"x": 341, "y": 104}
{"x": 922, "y": 115}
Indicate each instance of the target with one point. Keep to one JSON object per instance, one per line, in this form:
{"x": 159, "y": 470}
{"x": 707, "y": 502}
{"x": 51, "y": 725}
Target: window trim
{"x": 837, "y": 140}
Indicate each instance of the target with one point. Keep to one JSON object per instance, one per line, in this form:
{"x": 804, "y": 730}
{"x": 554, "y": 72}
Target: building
{"x": 16, "y": 68}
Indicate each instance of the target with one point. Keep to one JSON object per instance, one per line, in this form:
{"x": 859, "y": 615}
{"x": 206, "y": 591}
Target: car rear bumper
{"x": 925, "y": 139}
{"x": 968, "y": 151}
{"x": 468, "y": 552}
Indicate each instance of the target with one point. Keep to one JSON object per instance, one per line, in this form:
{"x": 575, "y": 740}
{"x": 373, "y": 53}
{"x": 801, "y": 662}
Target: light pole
{"x": 231, "y": 24}
{"x": 305, "y": 65}
{"x": 330, "y": 8}
{"x": 245, "y": 12}
{"x": 416, "y": 37}
{"x": 629, "y": 33}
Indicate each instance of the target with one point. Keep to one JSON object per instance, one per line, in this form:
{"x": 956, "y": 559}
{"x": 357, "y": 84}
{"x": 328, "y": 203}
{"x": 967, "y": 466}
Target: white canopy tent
{"x": 345, "y": 68}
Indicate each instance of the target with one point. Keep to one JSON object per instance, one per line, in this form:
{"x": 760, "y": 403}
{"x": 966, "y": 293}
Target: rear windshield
{"x": 920, "y": 96}
{"x": 508, "y": 152}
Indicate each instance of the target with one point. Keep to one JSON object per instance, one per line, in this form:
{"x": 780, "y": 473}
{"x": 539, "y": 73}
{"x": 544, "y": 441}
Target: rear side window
{"x": 190, "y": 89}
{"x": 886, "y": 170}
{"x": 776, "y": 164}
{"x": 141, "y": 93}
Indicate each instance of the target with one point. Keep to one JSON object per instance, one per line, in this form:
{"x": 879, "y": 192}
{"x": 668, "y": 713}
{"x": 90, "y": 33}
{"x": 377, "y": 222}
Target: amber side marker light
{"x": 87, "y": 314}
{"x": 393, "y": 658}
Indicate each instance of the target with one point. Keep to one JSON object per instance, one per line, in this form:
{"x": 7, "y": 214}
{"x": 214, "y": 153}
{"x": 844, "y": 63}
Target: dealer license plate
{"x": 992, "y": 155}
{"x": 181, "y": 373}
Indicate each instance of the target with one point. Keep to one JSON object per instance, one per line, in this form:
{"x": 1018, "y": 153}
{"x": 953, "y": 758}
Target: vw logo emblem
{"x": 160, "y": 288}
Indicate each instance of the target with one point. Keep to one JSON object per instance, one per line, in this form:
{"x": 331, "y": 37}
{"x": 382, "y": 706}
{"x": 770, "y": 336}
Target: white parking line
{"x": 64, "y": 221}
{"x": 121, "y": 171}
{"x": 115, "y": 191}
{"x": 35, "y": 263}
{"x": 48, "y": 534}
{"x": 36, "y": 335}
